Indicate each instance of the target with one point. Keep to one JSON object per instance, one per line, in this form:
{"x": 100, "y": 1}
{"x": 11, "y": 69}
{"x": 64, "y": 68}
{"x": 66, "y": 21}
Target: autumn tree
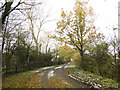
{"x": 65, "y": 52}
{"x": 77, "y": 27}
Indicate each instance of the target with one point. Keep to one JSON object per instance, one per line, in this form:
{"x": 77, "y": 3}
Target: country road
{"x": 55, "y": 77}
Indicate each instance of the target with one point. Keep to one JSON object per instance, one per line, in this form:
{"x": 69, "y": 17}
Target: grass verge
{"x": 20, "y": 80}
{"x": 90, "y": 78}
{"x": 17, "y": 80}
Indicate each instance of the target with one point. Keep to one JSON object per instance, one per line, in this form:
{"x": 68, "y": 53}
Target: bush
{"x": 89, "y": 64}
{"x": 61, "y": 60}
{"x": 77, "y": 59}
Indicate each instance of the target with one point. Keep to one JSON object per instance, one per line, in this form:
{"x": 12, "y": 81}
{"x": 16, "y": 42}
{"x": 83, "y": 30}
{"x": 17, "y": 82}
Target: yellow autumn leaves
{"x": 17, "y": 81}
{"x": 33, "y": 80}
{"x": 77, "y": 28}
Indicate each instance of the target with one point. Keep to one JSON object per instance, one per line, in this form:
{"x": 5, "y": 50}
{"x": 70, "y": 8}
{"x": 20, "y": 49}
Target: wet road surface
{"x": 56, "y": 77}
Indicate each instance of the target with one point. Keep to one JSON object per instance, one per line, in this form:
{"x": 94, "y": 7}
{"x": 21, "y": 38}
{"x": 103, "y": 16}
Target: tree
{"x": 11, "y": 13}
{"x": 7, "y": 9}
{"x": 36, "y": 23}
{"x": 114, "y": 42}
{"x": 77, "y": 28}
{"x": 46, "y": 41}
{"x": 19, "y": 48}
{"x": 104, "y": 61}
{"x": 65, "y": 52}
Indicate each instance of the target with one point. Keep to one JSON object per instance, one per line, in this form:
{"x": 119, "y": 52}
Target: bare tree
{"x": 36, "y": 24}
{"x": 6, "y": 10}
{"x": 12, "y": 18}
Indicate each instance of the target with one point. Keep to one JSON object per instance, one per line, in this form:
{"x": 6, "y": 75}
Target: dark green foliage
{"x": 33, "y": 56}
{"x": 89, "y": 64}
{"x": 26, "y": 59}
{"x": 105, "y": 61}
{"x": 21, "y": 54}
{"x": 46, "y": 59}
{"x": 100, "y": 61}
{"x": 61, "y": 60}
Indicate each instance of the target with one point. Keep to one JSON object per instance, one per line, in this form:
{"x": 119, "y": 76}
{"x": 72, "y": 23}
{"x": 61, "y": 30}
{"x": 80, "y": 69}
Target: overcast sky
{"x": 106, "y": 12}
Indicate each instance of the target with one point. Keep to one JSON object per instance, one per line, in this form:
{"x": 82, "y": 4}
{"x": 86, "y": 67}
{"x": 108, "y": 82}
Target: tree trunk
{"x": 16, "y": 69}
{"x": 7, "y": 11}
{"x": 46, "y": 48}
{"x": 7, "y": 66}
{"x": 7, "y": 61}
{"x": 82, "y": 58}
{"x": 119, "y": 68}
{"x": 3, "y": 42}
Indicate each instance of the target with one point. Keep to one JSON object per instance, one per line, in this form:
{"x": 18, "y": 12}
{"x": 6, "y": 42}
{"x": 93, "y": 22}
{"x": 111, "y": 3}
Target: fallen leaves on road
{"x": 35, "y": 82}
{"x": 53, "y": 82}
{"x": 58, "y": 82}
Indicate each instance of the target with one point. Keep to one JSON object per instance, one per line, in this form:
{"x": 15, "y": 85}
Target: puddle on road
{"x": 42, "y": 74}
{"x": 65, "y": 67}
{"x": 58, "y": 67}
{"x": 70, "y": 66}
{"x": 46, "y": 68}
{"x": 50, "y": 74}
{"x": 66, "y": 83}
{"x": 36, "y": 71}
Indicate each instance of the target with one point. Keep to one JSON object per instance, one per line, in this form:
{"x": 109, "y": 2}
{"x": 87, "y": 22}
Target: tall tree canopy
{"x": 10, "y": 8}
{"x": 77, "y": 27}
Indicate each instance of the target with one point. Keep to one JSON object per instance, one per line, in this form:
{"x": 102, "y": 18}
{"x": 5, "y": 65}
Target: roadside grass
{"x": 90, "y": 78}
{"x": 19, "y": 80}
{"x": 32, "y": 79}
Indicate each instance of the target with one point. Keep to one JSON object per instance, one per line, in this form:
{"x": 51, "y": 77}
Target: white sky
{"x": 106, "y": 12}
